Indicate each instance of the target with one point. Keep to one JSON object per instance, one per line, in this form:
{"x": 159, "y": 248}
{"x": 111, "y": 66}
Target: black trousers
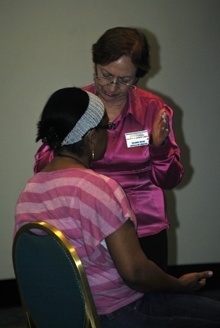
{"x": 156, "y": 249}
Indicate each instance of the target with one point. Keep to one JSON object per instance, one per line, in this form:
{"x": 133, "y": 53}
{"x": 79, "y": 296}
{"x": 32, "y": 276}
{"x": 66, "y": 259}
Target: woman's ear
{"x": 136, "y": 80}
{"x": 92, "y": 137}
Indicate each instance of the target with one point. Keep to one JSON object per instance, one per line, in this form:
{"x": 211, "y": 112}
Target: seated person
{"x": 93, "y": 212}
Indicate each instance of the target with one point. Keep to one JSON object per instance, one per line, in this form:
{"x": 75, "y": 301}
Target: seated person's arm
{"x": 141, "y": 274}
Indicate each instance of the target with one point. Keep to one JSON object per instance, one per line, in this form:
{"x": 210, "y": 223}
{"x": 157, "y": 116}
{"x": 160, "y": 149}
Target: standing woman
{"x": 142, "y": 154}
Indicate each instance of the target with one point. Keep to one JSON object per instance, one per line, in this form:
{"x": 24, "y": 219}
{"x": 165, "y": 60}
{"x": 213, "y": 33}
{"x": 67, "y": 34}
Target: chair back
{"x": 51, "y": 279}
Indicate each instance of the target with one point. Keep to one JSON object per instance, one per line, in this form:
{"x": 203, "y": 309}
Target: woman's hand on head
{"x": 160, "y": 129}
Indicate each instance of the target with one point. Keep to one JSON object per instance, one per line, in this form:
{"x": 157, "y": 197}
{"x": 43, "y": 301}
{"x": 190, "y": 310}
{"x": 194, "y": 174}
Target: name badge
{"x": 137, "y": 138}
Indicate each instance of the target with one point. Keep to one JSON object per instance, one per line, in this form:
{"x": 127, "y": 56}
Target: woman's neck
{"x": 74, "y": 159}
{"x": 114, "y": 110}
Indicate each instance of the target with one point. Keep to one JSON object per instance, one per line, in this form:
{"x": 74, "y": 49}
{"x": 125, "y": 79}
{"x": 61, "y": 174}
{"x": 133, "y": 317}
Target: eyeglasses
{"x": 109, "y": 79}
{"x": 109, "y": 126}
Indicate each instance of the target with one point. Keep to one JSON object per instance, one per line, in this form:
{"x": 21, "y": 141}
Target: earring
{"x": 95, "y": 89}
{"x": 134, "y": 90}
{"x": 93, "y": 155}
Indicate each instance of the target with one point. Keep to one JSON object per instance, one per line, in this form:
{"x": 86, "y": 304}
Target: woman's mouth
{"x": 109, "y": 94}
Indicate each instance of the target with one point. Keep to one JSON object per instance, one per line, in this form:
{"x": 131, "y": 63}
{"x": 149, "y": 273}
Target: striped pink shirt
{"x": 86, "y": 207}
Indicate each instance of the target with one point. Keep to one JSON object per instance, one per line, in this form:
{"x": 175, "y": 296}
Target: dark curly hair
{"x": 60, "y": 114}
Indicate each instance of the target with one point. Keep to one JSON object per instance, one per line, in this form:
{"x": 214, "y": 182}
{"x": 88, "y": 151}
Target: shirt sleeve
{"x": 108, "y": 210}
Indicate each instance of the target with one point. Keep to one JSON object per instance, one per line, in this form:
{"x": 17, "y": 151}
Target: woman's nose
{"x": 113, "y": 85}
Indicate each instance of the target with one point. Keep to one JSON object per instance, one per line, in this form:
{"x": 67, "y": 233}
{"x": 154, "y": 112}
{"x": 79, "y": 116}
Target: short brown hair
{"x": 123, "y": 41}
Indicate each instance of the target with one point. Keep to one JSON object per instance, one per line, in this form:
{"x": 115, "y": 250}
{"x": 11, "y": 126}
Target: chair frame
{"x": 90, "y": 310}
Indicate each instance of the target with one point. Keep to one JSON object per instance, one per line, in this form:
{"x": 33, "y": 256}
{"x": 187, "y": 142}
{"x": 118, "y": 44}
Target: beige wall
{"x": 46, "y": 44}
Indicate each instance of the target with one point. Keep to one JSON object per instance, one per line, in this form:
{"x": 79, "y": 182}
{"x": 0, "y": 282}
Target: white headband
{"x": 89, "y": 120}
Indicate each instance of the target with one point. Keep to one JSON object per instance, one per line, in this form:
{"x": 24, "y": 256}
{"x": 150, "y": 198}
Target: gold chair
{"x": 51, "y": 279}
